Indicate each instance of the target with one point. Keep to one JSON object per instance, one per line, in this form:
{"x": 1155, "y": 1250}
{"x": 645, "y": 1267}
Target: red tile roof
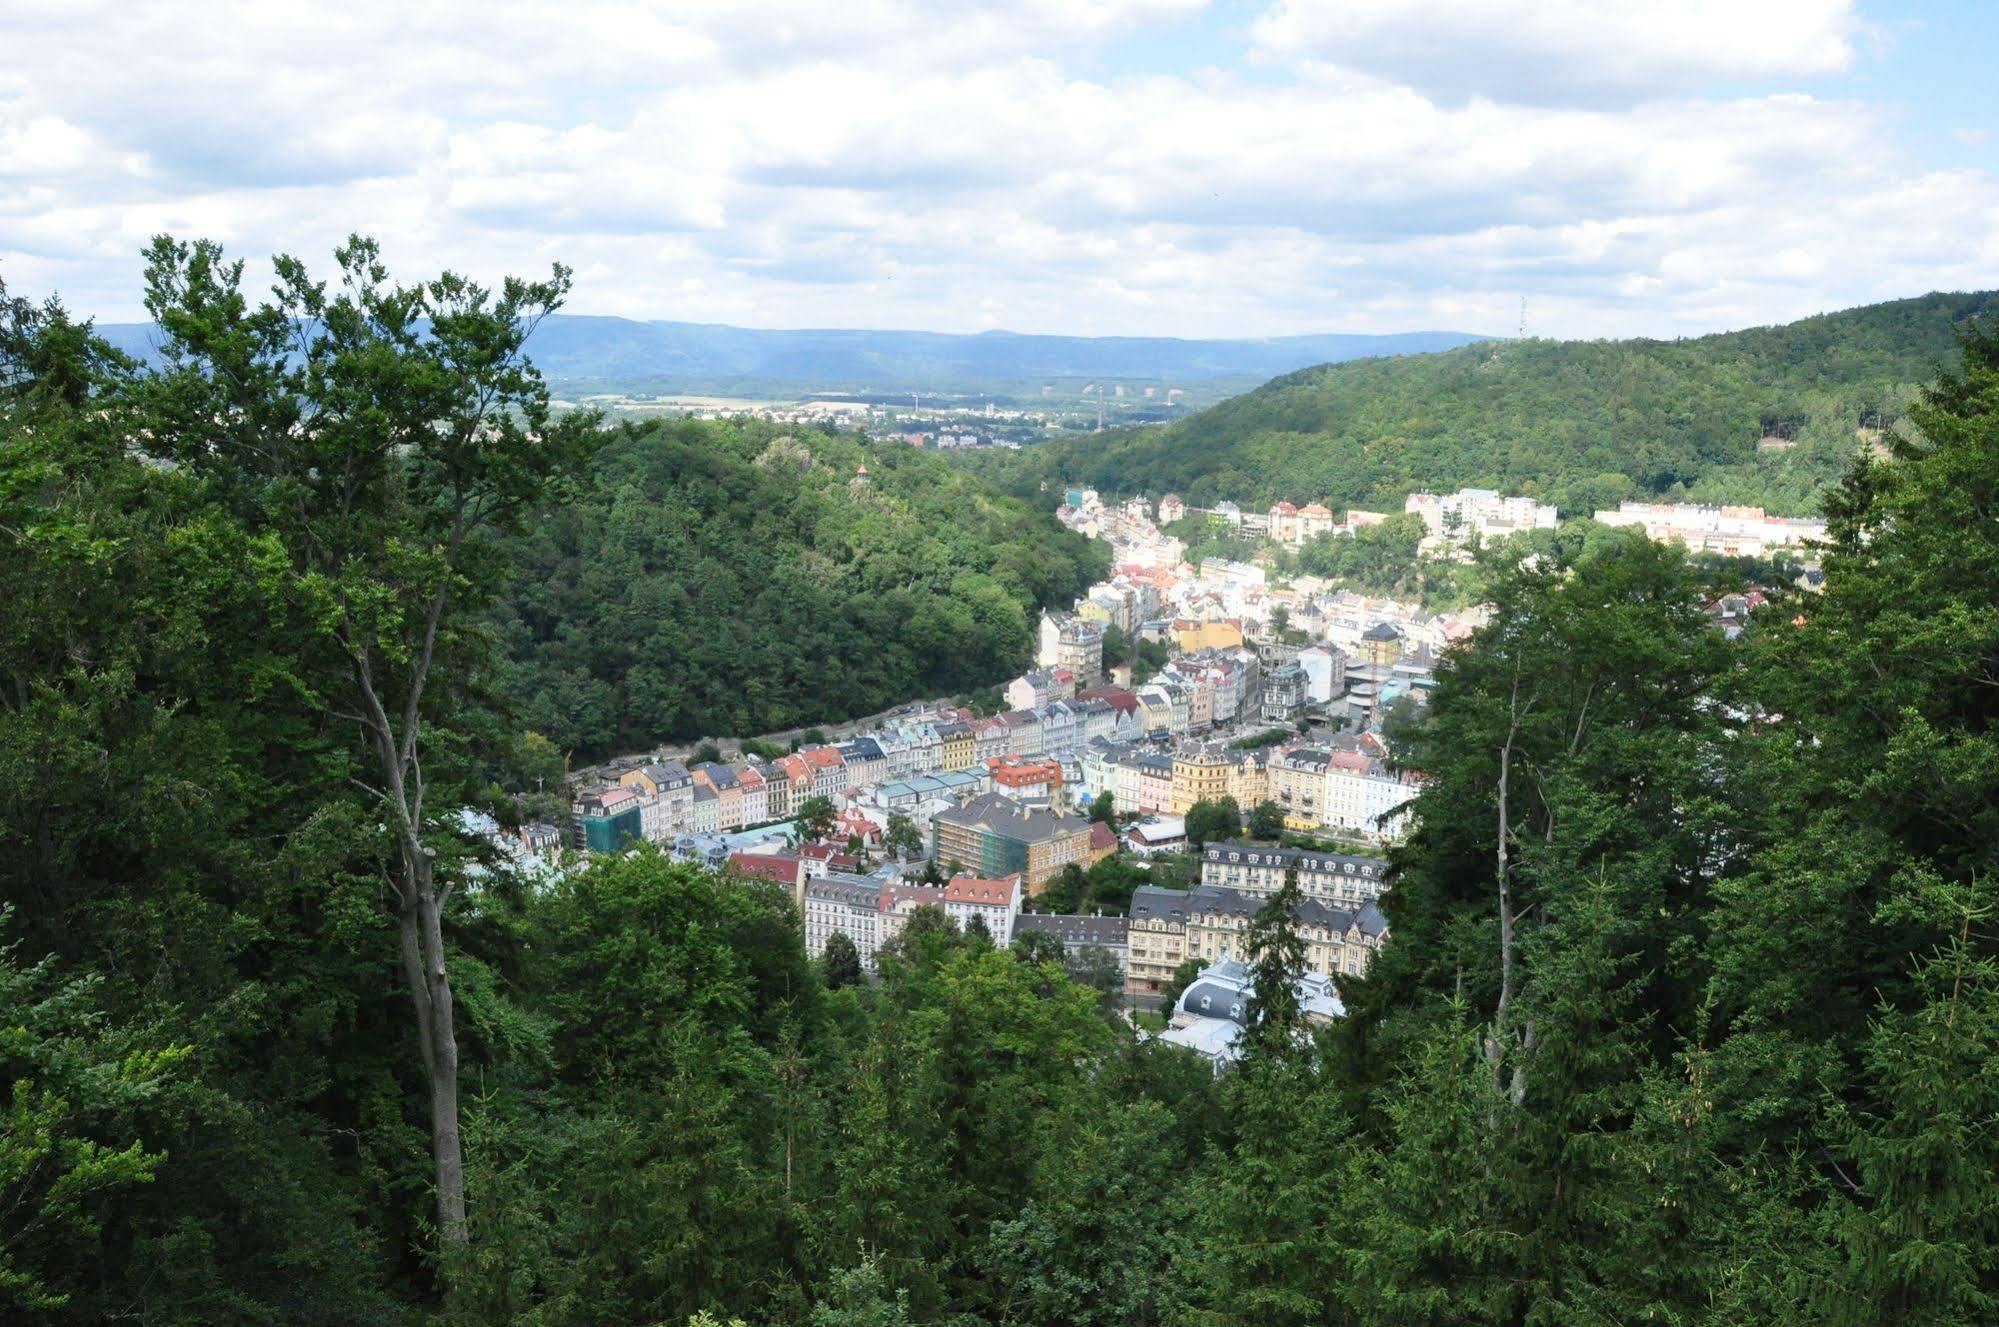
{"x": 973, "y": 889}
{"x": 784, "y": 869}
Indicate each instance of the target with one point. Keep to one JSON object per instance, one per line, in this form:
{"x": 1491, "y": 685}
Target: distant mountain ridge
{"x": 583, "y": 349}
{"x": 1766, "y": 415}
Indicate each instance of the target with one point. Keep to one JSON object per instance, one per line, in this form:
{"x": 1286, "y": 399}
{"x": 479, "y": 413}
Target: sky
{"x": 1127, "y": 167}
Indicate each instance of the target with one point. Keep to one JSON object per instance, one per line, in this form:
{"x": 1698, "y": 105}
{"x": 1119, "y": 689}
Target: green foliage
{"x": 1583, "y": 424}
{"x": 814, "y": 819}
{"x": 901, "y": 837}
{"x": 728, "y": 578}
{"x": 841, "y": 962}
{"x": 1689, "y": 1012}
{"x": 1266, "y": 822}
{"x": 1104, "y": 886}
{"x": 72, "y": 1093}
{"x": 1209, "y": 821}
{"x": 1184, "y": 975}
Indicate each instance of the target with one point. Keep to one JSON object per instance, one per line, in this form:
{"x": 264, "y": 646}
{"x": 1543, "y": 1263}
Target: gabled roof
{"x": 986, "y": 893}
{"x": 783, "y": 868}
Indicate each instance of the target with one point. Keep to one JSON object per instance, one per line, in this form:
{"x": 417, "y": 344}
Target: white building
{"x": 1730, "y": 531}
{"x": 849, "y": 904}
{"x": 1457, "y": 518}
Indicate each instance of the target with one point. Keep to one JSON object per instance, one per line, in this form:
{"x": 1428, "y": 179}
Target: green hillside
{"x": 1585, "y": 423}
{"x": 720, "y": 578}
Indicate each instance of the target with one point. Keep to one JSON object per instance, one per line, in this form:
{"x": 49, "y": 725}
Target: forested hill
{"x": 1585, "y": 423}
{"x": 735, "y": 579}
{"x": 582, "y": 351}
{"x": 1688, "y": 1013}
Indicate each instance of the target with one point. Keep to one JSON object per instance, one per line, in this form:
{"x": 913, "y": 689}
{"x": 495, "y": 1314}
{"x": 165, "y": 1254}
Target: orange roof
{"x": 825, "y": 757}
{"x": 766, "y": 866}
{"x": 973, "y": 889}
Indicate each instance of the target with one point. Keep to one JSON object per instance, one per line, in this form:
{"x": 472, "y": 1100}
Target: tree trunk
{"x": 1496, "y": 1042}
{"x": 430, "y": 993}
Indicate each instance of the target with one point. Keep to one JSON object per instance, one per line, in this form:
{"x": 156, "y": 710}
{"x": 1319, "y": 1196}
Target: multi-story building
{"x": 705, "y": 817}
{"x": 1038, "y": 782}
{"x": 666, "y": 793}
{"x": 1038, "y": 686}
{"x": 1080, "y": 650}
{"x": 777, "y": 789}
{"x": 1284, "y": 523}
{"x": 1381, "y": 644}
{"x": 1478, "y": 513}
{"x": 609, "y": 820}
{"x": 1368, "y": 799}
{"x": 786, "y": 869}
{"x": 994, "y": 836}
{"x": 802, "y": 775}
{"x": 1730, "y": 531}
{"x": 848, "y": 904}
{"x": 1344, "y": 880}
{"x": 1110, "y": 934}
{"x": 1061, "y": 727}
{"x": 756, "y": 796}
{"x": 990, "y": 737}
{"x": 1157, "y": 937}
{"x": 1155, "y": 783}
{"x": 829, "y": 772}
{"x": 994, "y": 902}
{"x": 1337, "y": 939}
{"x": 1315, "y": 519}
{"x": 1285, "y": 690}
{"x": 1023, "y": 732}
{"x": 1130, "y": 777}
{"x": 1298, "y": 785}
{"x": 865, "y": 761}
{"x": 1251, "y": 780}
{"x": 896, "y": 754}
{"x": 954, "y": 746}
{"x": 1325, "y": 673}
{"x": 728, "y": 790}
{"x": 1202, "y": 772}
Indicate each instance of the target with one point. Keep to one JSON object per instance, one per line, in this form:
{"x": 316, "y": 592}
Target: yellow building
{"x": 1194, "y": 636}
{"x": 956, "y": 748}
{"x": 1251, "y": 781}
{"x": 1381, "y": 644}
{"x": 1201, "y": 774}
{"x": 1298, "y": 784}
{"x": 1158, "y": 937}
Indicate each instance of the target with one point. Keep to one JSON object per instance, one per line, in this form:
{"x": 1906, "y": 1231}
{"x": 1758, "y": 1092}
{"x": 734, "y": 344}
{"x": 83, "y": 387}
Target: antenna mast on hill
{"x": 1523, "y": 319}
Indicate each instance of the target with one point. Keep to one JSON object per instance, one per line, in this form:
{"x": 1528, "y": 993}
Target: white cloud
{"x": 885, "y": 162}
{"x": 1563, "y": 50}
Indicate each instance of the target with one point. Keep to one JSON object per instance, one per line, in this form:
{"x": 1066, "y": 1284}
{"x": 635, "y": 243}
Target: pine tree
{"x": 1277, "y": 956}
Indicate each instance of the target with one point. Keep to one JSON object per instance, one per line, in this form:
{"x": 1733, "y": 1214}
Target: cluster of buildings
{"x": 1339, "y": 917}
{"x": 1212, "y": 1013}
{"x": 872, "y": 909}
{"x": 1284, "y": 522}
{"x": 1730, "y": 531}
{"x": 1473, "y": 516}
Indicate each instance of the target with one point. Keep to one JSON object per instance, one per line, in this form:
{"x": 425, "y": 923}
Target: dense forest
{"x": 1691, "y": 1013}
{"x": 733, "y": 579}
{"x": 1581, "y": 424}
